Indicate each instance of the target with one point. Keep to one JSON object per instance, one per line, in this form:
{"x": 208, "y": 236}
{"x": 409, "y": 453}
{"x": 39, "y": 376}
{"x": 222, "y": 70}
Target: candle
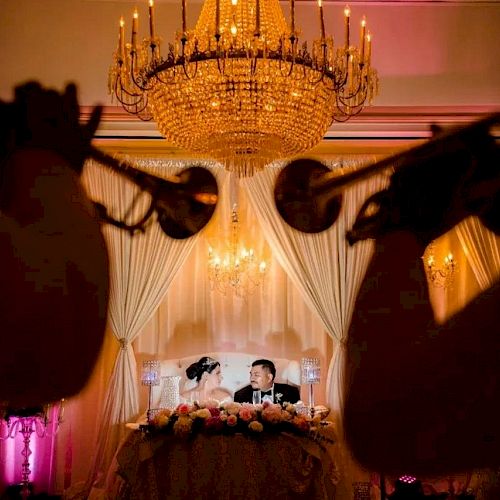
{"x": 362, "y": 39}
{"x": 368, "y": 48}
{"x": 347, "y": 14}
{"x": 121, "y": 40}
{"x": 183, "y": 16}
{"x": 350, "y": 76}
{"x": 217, "y": 17}
{"x": 292, "y": 16}
{"x": 151, "y": 19}
{"x": 257, "y": 17}
{"x": 321, "y": 19}
{"x": 135, "y": 29}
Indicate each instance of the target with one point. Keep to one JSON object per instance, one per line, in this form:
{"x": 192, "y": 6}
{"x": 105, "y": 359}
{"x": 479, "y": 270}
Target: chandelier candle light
{"x": 238, "y": 269}
{"x": 238, "y": 87}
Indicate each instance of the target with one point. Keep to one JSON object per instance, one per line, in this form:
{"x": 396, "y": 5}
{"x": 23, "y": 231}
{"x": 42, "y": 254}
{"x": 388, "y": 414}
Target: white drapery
{"x": 142, "y": 269}
{"x": 272, "y": 322}
{"x": 482, "y": 249}
{"x": 326, "y": 270}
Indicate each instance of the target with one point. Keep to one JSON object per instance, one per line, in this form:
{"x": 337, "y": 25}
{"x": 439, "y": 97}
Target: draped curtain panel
{"x": 482, "y": 250}
{"x": 142, "y": 268}
{"x": 326, "y": 270}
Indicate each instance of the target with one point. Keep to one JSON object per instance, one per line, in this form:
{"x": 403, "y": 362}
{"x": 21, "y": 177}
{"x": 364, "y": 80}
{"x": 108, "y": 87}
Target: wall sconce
{"x": 150, "y": 377}
{"x": 439, "y": 276}
{"x": 310, "y": 375}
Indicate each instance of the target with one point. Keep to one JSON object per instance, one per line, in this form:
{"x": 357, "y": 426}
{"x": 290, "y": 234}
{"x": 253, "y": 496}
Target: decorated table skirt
{"x": 203, "y": 467}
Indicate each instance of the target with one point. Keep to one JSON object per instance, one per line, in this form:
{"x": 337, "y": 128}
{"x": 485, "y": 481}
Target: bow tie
{"x": 266, "y": 393}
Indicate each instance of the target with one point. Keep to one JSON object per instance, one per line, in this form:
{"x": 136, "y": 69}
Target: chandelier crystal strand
{"x": 240, "y": 87}
{"x": 237, "y": 270}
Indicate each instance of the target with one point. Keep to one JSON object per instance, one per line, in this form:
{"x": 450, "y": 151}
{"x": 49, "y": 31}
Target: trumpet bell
{"x": 187, "y": 210}
{"x": 296, "y": 201}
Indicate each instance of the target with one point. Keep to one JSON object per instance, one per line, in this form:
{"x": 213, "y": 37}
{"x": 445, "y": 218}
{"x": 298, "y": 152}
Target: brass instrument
{"x": 184, "y": 203}
{"x": 308, "y": 195}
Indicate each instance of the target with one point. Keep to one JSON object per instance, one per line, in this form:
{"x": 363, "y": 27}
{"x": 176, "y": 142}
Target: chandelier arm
{"x": 120, "y": 90}
{"x": 286, "y": 74}
{"x": 137, "y": 107}
{"x": 189, "y": 63}
{"x": 330, "y": 83}
{"x": 315, "y": 81}
{"x": 138, "y": 82}
{"x": 167, "y": 82}
{"x": 253, "y": 64}
{"x": 221, "y": 63}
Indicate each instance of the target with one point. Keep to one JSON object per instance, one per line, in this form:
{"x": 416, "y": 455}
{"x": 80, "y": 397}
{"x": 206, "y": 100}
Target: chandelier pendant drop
{"x": 241, "y": 87}
{"x": 237, "y": 270}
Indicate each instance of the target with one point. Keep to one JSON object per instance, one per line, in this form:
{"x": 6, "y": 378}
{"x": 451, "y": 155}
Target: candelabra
{"x": 439, "y": 277}
{"x": 310, "y": 376}
{"x": 27, "y": 421}
{"x": 150, "y": 377}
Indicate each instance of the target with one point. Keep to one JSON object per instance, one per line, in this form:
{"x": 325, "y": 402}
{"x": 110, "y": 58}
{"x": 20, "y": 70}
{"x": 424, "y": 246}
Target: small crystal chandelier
{"x": 237, "y": 270}
{"x": 442, "y": 276}
{"x": 238, "y": 87}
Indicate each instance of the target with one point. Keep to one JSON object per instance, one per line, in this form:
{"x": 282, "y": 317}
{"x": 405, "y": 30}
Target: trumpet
{"x": 308, "y": 195}
{"x": 183, "y": 203}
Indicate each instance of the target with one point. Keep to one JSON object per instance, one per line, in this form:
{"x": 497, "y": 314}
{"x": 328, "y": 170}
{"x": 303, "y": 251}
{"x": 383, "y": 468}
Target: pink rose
{"x": 232, "y": 420}
{"x": 246, "y": 414}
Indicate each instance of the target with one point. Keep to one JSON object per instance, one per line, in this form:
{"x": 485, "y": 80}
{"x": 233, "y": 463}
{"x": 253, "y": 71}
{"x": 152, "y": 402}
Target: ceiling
{"x": 437, "y": 62}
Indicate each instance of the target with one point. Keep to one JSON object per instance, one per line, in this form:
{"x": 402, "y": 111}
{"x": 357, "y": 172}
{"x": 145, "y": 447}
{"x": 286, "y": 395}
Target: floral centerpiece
{"x": 230, "y": 418}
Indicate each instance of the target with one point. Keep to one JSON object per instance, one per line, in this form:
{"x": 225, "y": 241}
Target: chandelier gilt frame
{"x": 240, "y": 87}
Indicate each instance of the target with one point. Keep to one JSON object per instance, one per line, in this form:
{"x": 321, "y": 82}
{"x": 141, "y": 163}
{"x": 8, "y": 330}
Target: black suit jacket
{"x": 289, "y": 393}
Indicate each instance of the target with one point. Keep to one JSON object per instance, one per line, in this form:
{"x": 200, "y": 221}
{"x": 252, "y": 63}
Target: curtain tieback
{"x": 123, "y": 343}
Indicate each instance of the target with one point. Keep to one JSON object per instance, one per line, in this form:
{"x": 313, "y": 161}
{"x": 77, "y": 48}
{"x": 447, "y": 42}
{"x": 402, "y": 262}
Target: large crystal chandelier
{"x": 239, "y": 87}
{"x": 235, "y": 269}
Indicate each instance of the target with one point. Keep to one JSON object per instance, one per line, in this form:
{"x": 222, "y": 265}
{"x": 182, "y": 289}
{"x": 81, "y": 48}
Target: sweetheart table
{"x": 225, "y": 467}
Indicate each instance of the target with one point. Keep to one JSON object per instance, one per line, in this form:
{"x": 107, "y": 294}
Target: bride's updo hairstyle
{"x": 196, "y": 370}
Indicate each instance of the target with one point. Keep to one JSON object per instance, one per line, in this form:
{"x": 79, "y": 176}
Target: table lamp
{"x": 150, "y": 376}
{"x": 310, "y": 375}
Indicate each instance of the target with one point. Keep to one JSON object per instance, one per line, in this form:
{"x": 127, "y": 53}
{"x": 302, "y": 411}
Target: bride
{"x": 207, "y": 374}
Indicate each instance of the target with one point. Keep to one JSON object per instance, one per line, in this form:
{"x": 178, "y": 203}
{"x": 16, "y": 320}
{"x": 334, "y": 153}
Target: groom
{"x": 262, "y": 383}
